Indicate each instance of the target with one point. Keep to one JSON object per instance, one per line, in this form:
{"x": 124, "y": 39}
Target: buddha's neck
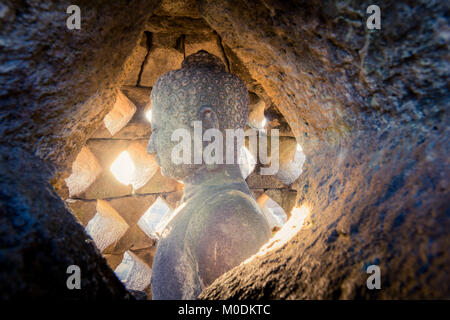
{"x": 205, "y": 179}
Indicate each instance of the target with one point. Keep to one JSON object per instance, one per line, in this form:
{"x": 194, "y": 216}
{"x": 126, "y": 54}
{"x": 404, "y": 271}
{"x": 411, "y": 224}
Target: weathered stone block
{"x": 107, "y": 226}
{"x": 133, "y": 238}
{"x": 113, "y": 260}
{"x": 273, "y": 212}
{"x": 132, "y": 131}
{"x": 133, "y": 272}
{"x": 159, "y": 184}
{"x": 173, "y": 199}
{"x": 145, "y": 164}
{"x": 291, "y": 160}
{"x": 134, "y": 62}
{"x": 166, "y": 39}
{"x": 257, "y": 192}
{"x": 139, "y": 126}
{"x": 208, "y": 42}
{"x": 159, "y": 62}
{"x": 121, "y": 113}
{"x": 284, "y": 197}
{"x": 133, "y": 207}
{"x": 181, "y": 25}
{"x": 178, "y": 8}
{"x": 84, "y": 211}
{"x": 139, "y": 96}
{"x": 257, "y": 181}
{"x": 85, "y": 170}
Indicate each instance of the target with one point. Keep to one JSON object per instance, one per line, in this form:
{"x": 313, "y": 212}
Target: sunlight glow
{"x": 148, "y": 115}
{"x": 293, "y": 225}
{"x": 263, "y": 122}
{"x": 123, "y": 168}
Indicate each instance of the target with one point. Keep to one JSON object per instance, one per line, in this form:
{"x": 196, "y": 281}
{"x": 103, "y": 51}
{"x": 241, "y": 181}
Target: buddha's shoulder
{"x": 232, "y": 198}
{"x": 230, "y": 203}
{"x": 229, "y": 212}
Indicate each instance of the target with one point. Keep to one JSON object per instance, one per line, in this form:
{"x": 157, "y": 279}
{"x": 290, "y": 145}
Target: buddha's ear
{"x": 208, "y": 117}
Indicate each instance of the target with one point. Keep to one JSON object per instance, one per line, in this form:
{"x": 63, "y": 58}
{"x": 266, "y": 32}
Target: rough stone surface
{"x": 167, "y": 39}
{"x": 136, "y": 130}
{"x": 257, "y": 181}
{"x": 84, "y": 211}
{"x": 139, "y": 96}
{"x": 208, "y": 42}
{"x": 107, "y": 226}
{"x": 113, "y": 260}
{"x": 133, "y": 207}
{"x": 178, "y": 8}
{"x": 134, "y": 62}
{"x": 56, "y": 85}
{"x": 139, "y": 126}
{"x": 291, "y": 160}
{"x": 121, "y": 113}
{"x": 368, "y": 108}
{"x": 133, "y": 272}
{"x": 160, "y": 61}
{"x": 275, "y": 120}
{"x": 133, "y": 239}
{"x": 85, "y": 170}
{"x": 178, "y": 25}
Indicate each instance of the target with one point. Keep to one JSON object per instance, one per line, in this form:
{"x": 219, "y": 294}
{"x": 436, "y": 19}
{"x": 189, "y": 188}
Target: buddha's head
{"x": 200, "y": 91}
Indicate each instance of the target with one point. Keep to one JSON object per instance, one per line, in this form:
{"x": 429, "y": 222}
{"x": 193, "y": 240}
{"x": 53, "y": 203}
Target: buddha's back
{"x": 215, "y": 231}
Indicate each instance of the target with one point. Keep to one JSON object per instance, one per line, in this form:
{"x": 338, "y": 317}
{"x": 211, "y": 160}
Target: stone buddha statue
{"x": 220, "y": 223}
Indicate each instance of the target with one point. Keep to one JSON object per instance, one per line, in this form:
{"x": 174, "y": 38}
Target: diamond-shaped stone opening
{"x": 107, "y": 226}
{"x": 154, "y": 220}
{"x": 134, "y": 273}
{"x": 292, "y": 159}
{"x": 146, "y": 165}
{"x": 123, "y": 168}
{"x": 85, "y": 170}
{"x": 273, "y": 212}
{"x": 120, "y": 115}
{"x": 134, "y": 166}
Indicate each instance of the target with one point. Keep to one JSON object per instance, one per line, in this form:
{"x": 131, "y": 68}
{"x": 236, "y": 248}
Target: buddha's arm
{"x": 225, "y": 232}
